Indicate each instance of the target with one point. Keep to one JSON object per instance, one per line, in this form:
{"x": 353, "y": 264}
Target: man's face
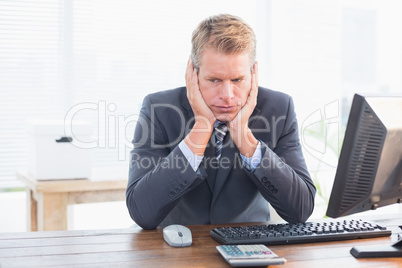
{"x": 225, "y": 82}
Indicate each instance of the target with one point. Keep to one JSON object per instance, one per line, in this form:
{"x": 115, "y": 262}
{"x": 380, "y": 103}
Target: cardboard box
{"x": 53, "y": 155}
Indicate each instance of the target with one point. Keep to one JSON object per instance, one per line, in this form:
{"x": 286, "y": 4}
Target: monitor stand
{"x": 377, "y": 251}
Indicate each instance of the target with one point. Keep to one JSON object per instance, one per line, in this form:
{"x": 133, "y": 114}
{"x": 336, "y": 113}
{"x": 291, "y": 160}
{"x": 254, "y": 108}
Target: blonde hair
{"x": 227, "y": 34}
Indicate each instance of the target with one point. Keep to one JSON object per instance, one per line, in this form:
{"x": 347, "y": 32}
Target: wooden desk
{"x": 47, "y": 201}
{"x": 139, "y": 248}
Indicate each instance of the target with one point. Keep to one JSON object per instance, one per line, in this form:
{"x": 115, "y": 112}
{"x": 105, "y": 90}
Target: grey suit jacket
{"x": 163, "y": 189}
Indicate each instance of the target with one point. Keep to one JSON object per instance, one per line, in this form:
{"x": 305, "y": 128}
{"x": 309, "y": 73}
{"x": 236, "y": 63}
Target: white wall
{"x": 13, "y": 212}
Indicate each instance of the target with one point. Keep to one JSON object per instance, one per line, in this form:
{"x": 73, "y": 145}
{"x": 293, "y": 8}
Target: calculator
{"x": 249, "y": 255}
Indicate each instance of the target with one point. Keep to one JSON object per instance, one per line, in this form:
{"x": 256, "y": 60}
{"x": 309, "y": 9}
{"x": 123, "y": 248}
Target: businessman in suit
{"x": 221, "y": 148}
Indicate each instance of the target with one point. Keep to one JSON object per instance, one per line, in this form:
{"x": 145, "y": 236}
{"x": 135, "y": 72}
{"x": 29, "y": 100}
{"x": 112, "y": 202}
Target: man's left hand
{"x": 238, "y": 127}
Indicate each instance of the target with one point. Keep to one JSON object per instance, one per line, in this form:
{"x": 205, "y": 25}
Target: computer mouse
{"x": 177, "y": 235}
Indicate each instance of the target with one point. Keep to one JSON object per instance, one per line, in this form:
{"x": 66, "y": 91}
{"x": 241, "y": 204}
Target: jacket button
{"x": 185, "y": 182}
{"x": 171, "y": 194}
{"x": 275, "y": 191}
{"x": 264, "y": 179}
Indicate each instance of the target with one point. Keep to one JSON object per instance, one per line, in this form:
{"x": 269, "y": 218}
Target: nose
{"x": 226, "y": 91}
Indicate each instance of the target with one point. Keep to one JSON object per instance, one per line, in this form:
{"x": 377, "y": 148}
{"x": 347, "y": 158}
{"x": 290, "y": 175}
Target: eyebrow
{"x": 214, "y": 76}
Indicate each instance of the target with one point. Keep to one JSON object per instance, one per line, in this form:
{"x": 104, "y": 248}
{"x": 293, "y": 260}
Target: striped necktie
{"x": 220, "y": 132}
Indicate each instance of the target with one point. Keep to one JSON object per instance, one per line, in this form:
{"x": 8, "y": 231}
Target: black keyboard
{"x": 292, "y": 233}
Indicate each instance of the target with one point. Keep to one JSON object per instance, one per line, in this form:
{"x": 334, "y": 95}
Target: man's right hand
{"x": 200, "y": 109}
{"x": 199, "y": 135}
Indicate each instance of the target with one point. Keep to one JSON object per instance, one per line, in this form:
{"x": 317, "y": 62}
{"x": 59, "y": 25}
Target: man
{"x": 221, "y": 148}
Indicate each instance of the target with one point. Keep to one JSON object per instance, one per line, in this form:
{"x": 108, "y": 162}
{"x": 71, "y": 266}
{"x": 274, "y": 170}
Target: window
{"x": 30, "y": 76}
{"x": 61, "y": 56}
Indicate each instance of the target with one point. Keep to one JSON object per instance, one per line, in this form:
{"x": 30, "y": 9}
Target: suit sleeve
{"x": 158, "y": 175}
{"x": 282, "y": 176}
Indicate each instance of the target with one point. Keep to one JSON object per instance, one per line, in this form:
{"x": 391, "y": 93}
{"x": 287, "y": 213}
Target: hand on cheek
{"x": 202, "y": 112}
{"x": 197, "y": 139}
{"x": 238, "y": 127}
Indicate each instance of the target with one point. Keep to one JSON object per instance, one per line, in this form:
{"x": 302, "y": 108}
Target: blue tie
{"x": 220, "y": 132}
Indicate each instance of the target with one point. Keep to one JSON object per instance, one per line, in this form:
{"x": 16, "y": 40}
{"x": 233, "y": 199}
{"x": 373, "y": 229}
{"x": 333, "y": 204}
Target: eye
{"x": 237, "y": 80}
{"x": 213, "y": 80}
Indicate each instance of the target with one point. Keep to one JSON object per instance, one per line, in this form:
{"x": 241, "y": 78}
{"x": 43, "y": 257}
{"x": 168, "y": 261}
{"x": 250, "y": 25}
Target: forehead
{"x": 215, "y": 62}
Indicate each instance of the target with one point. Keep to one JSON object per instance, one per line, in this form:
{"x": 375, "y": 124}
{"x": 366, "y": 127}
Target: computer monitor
{"x": 369, "y": 173}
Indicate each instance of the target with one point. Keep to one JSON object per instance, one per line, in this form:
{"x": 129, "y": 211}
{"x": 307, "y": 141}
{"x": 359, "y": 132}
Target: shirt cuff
{"x": 193, "y": 160}
{"x": 251, "y": 163}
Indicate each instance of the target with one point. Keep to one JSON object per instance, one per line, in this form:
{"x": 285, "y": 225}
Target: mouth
{"x": 226, "y": 109}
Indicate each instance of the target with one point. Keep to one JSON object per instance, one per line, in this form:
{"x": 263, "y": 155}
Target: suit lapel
{"x": 209, "y": 155}
{"x": 253, "y": 118}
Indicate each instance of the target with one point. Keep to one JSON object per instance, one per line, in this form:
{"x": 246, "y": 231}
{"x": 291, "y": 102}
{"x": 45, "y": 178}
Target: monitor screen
{"x": 369, "y": 173}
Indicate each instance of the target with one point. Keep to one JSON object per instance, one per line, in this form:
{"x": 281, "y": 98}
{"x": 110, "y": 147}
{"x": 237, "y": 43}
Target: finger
{"x": 191, "y": 81}
{"x": 255, "y": 76}
{"x": 188, "y": 71}
{"x": 254, "y": 87}
{"x": 194, "y": 84}
{"x": 252, "y": 98}
{"x": 193, "y": 88}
